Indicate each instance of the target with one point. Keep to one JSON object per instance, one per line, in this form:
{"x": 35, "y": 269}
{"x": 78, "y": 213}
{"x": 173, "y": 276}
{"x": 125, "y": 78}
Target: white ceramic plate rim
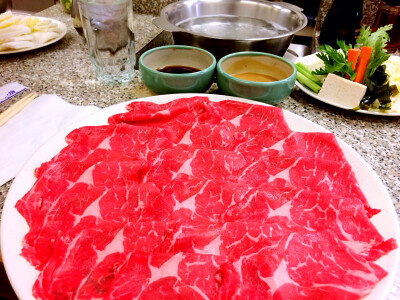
{"x": 13, "y": 227}
{"x": 314, "y": 95}
{"x": 62, "y": 27}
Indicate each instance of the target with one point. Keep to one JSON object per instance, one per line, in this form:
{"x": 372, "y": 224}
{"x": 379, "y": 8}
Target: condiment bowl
{"x": 256, "y": 75}
{"x": 177, "y": 69}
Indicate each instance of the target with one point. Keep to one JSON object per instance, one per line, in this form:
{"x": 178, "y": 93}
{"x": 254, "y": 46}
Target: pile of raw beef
{"x": 195, "y": 199}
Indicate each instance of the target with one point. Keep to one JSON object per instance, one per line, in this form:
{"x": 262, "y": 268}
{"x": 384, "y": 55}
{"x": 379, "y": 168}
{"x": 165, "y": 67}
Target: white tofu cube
{"x": 342, "y": 91}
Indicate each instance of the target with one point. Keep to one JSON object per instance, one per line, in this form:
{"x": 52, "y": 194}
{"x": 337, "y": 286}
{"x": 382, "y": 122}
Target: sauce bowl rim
{"x": 212, "y": 66}
{"x": 221, "y": 72}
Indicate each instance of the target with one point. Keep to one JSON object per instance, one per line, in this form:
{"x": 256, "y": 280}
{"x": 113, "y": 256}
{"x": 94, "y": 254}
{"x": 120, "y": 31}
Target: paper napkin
{"x": 9, "y": 90}
{"x": 22, "y": 135}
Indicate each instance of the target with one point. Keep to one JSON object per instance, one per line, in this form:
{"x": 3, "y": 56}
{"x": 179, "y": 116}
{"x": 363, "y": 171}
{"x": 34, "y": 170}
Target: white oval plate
{"x": 13, "y": 226}
{"x": 62, "y": 27}
{"x": 311, "y": 57}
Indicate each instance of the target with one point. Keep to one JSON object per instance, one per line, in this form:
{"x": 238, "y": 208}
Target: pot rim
{"x": 164, "y": 23}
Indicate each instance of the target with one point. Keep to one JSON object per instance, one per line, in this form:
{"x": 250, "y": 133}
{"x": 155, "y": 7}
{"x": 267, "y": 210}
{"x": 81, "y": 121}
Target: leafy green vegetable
{"x": 335, "y": 61}
{"x": 307, "y": 78}
{"x": 378, "y": 91}
{"x": 67, "y": 4}
{"x": 377, "y": 41}
{"x": 303, "y": 69}
{"x": 342, "y": 45}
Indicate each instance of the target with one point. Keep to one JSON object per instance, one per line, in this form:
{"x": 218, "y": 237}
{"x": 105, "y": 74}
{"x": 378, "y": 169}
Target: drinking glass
{"x": 107, "y": 26}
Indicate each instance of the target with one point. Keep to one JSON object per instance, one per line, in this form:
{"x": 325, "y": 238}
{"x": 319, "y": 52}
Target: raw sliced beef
{"x": 282, "y": 171}
{"x": 224, "y": 201}
{"x": 320, "y": 262}
{"x": 149, "y": 112}
{"x": 195, "y": 199}
{"x": 58, "y": 210}
{"x": 310, "y": 144}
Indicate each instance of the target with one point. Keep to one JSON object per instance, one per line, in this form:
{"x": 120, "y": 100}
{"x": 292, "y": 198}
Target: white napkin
{"x": 9, "y": 90}
{"x": 22, "y": 135}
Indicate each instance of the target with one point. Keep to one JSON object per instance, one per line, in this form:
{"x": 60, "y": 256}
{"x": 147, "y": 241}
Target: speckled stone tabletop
{"x": 64, "y": 69}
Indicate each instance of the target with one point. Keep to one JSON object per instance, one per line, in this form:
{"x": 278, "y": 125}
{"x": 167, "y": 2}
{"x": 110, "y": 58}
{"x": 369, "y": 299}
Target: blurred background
{"x": 310, "y": 6}
{"x": 27, "y": 5}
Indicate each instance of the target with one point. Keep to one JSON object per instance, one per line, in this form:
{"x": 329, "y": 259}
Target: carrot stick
{"x": 362, "y": 63}
{"x": 352, "y": 56}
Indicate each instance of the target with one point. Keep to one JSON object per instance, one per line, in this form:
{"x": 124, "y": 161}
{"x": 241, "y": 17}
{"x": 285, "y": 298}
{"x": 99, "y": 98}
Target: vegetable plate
{"x": 313, "y": 59}
{"x": 362, "y": 77}
{"x": 21, "y": 33}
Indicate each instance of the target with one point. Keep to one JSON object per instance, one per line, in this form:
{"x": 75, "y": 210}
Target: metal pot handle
{"x": 162, "y": 23}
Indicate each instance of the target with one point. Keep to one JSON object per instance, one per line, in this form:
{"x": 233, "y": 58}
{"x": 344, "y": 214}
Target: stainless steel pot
{"x": 226, "y": 26}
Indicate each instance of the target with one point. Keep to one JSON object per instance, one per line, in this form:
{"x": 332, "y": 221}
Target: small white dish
{"x": 62, "y": 27}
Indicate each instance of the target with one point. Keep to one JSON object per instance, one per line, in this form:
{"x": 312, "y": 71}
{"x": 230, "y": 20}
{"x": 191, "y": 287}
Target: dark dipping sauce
{"x": 178, "y": 69}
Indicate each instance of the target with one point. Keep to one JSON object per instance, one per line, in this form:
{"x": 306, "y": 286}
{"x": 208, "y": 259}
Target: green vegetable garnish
{"x": 307, "y": 78}
{"x": 67, "y": 4}
{"x": 377, "y": 41}
{"x": 378, "y": 91}
{"x": 367, "y": 64}
{"x": 335, "y": 61}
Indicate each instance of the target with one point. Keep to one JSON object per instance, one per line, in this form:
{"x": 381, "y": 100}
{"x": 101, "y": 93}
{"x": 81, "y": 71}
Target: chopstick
{"x": 16, "y": 108}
